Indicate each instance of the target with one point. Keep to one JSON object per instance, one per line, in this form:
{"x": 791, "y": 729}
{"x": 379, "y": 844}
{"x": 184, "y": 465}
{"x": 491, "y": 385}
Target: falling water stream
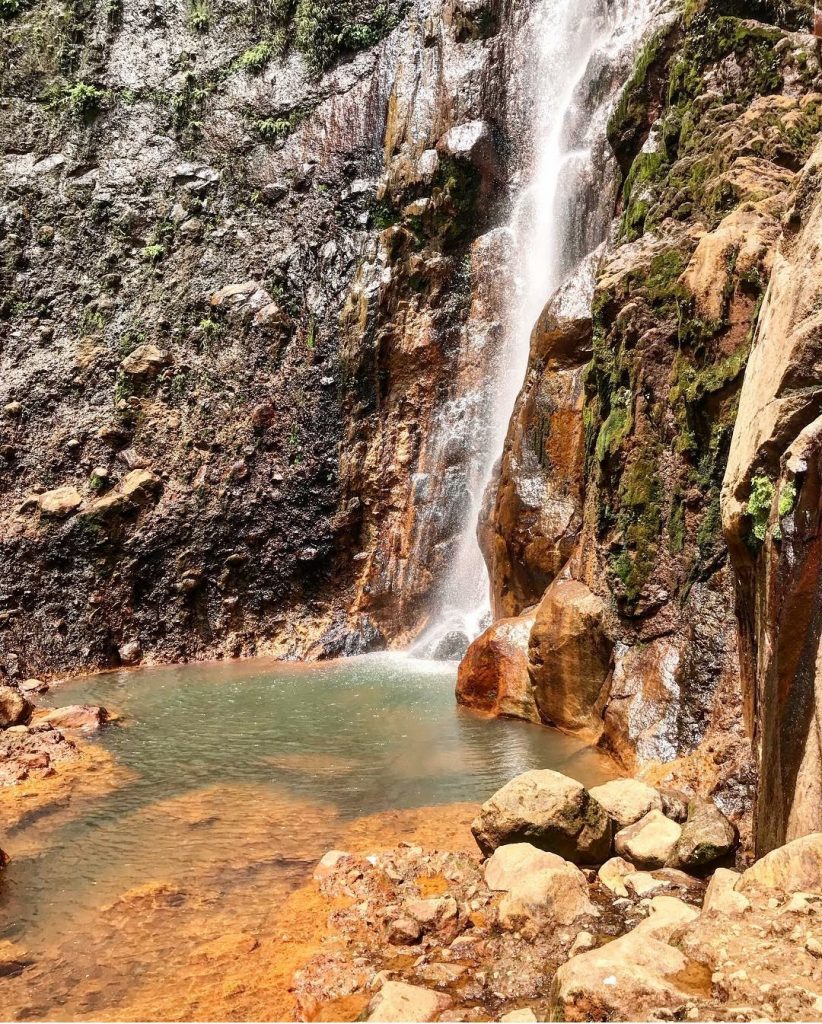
{"x": 572, "y": 58}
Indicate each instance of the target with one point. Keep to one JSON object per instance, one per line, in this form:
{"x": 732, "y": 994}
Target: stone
{"x": 632, "y": 978}
{"x": 649, "y": 842}
{"x": 13, "y": 409}
{"x": 140, "y": 485}
{"x": 33, "y": 686}
{"x": 548, "y": 810}
{"x": 433, "y": 913}
{"x": 569, "y": 656}
{"x": 553, "y": 896}
{"x": 612, "y": 874}
{"x": 14, "y": 708}
{"x": 130, "y": 653}
{"x": 398, "y": 1001}
{"x": 493, "y": 676}
{"x": 60, "y": 502}
{"x": 524, "y": 1016}
{"x": 584, "y": 942}
{"x": 234, "y": 294}
{"x": 642, "y": 884}
{"x": 404, "y": 931}
{"x": 82, "y": 717}
{"x": 721, "y": 896}
{"x": 328, "y": 864}
{"x": 145, "y": 361}
{"x": 707, "y": 836}
{"x": 513, "y": 862}
{"x": 795, "y": 867}
{"x": 14, "y": 959}
{"x": 627, "y": 800}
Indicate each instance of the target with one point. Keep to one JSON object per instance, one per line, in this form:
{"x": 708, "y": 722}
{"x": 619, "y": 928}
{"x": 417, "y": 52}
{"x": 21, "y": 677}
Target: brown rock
{"x": 493, "y": 676}
{"x": 548, "y": 810}
{"x": 533, "y": 510}
{"x": 612, "y": 874}
{"x": 721, "y": 896}
{"x": 14, "y": 708}
{"x": 140, "y": 486}
{"x": 83, "y": 717}
{"x": 569, "y": 656}
{"x": 60, "y": 502}
{"x": 404, "y": 931}
{"x": 145, "y": 361}
{"x": 130, "y": 653}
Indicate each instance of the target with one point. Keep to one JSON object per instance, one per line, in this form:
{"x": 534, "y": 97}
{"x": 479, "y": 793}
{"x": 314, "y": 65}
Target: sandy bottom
{"x": 217, "y": 938}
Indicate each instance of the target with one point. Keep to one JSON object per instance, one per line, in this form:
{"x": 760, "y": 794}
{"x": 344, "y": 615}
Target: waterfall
{"x": 570, "y": 59}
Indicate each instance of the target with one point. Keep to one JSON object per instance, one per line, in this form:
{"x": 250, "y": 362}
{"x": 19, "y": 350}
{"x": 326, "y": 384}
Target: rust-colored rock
{"x": 569, "y": 656}
{"x": 493, "y": 676}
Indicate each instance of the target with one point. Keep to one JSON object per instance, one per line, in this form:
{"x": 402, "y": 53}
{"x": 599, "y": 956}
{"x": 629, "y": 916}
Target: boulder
{"x": 524, "y": 1016}
{"x": 83, "y": 717}
{"x": 569, "y": 656}
{"x": 34, "y": 686}
{"x": 633, "y": 977}
{"x": 650, "y": 842}
{"x": 548, "y": 810}
{"x": 627, "y": 800}
{"x": 493, "y": 676}
{"x": 721, "y": 896}
{"x": 557, "y": 895}
{"x": 397, "y": 1001}
{"x": 14, "y": 708}
{"x": 612, "y": 874}
{"x": 433, "y": 913}
{"x": 512, "y": 863}
{"x": 707, "y": 836}
{"x": 130, "y": 653}
{"x": 145, "y": 361}
{"x": 796, "y": 867}
{"x": 60, "y": 502}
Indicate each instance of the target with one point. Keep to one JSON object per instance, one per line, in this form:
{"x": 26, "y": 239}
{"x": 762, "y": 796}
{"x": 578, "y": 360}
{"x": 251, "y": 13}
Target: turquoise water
{"x": 257, "y": 766}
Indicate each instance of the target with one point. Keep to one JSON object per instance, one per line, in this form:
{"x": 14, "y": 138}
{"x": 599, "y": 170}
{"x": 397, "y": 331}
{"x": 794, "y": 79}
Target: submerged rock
{"x": 550, "y": 811}
{"x": 83, "y": 717}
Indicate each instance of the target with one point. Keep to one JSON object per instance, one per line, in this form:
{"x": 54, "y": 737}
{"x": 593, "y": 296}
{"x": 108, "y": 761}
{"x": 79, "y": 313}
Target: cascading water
{"x": 571, "y": 58}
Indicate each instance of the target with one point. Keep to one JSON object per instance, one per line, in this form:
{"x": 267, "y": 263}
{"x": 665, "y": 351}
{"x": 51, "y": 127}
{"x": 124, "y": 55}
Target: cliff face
{"x": 240, "y": 251}
{"x": 608, "y": 493}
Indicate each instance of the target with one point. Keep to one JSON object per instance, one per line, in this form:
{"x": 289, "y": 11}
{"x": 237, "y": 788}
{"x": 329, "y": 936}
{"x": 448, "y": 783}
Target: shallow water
{"x": 240, "y": 776}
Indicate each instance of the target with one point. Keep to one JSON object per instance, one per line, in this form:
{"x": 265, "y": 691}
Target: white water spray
{"x": 572, "y": 57}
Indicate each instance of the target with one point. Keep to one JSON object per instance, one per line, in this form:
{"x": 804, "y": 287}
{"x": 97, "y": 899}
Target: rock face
{"x": 493, "y": 676}
{"x": 549, "y": 811}
{"x": 791, "y": 868}
{"x": 624, "y": 537}
{"x": 771, "y": 508}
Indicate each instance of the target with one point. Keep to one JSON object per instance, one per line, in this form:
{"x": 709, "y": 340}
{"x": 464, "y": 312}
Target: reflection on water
{"x": 240, "y": 776}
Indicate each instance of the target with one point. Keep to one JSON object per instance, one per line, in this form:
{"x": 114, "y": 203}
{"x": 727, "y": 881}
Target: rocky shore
{"x": 613, "y": 904}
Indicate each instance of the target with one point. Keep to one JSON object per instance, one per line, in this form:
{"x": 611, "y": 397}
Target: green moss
{"x": 759, "y": 507}
{"x": 639, "y": 520}
{"x": 787, "y": 499}
{"x": 631, "y": 112}
{"x": 85, "y": 100}
{"x": 324, "y": 30}
{"x": 256, "y": 58}
{"x": 613, "y": 432}
{"x": 199, "y": 15}
{"x": 153, "y": 253}
{"x": 676, "y": 526}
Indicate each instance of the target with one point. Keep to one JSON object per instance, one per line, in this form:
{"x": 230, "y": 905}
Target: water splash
{"x": 571, "y": 59}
